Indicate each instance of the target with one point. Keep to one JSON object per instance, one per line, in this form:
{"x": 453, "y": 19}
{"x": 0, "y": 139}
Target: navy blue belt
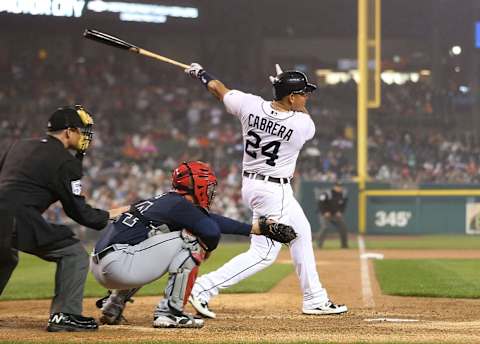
{"x": 267, "y": 178}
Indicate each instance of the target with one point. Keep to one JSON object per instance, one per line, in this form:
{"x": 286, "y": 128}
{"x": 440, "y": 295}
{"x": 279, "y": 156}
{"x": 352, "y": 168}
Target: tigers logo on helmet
{"x": 197, "y": 179}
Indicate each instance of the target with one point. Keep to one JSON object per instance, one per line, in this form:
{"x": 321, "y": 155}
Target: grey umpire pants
{"x": 8, "y": 255}
{"x": 72, "y": 270}
{"x": 133, "y": 266}
{"x": 72, "y": 267}
{"x": 339, "y": 224}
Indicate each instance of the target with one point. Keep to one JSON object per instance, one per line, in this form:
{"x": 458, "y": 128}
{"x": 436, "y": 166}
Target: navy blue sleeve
{"x": 185, "y": 215}
{"x": 230, "y": 226}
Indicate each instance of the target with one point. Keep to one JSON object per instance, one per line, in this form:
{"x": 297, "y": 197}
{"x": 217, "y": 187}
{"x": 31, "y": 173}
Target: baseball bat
{"x": 113, "y": 41}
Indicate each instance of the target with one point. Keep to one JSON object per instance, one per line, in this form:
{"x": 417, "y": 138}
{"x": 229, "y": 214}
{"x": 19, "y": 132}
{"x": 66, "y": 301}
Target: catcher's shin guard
{"x": 183, "y": 272}
{"x": 114, "y": 305}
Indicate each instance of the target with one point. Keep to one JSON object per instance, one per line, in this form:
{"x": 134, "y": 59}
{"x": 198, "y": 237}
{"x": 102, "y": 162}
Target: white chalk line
{"x": 367, "y": 293}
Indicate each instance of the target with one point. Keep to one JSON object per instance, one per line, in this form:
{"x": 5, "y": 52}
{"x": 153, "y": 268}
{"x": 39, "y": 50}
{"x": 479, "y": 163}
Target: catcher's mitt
{"x": 276, "y": 231}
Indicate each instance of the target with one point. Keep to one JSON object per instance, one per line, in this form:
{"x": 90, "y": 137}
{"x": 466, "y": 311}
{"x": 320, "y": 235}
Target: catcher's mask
{"x": 197, "y": 179}
{"x": 73, "y": 117}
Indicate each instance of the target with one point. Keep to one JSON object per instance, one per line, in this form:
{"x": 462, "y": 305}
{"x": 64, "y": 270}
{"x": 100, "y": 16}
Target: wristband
{"x": 205, "y": 78}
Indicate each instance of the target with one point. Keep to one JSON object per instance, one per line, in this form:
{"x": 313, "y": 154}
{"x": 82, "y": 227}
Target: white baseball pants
{"x": 278, "y": 202}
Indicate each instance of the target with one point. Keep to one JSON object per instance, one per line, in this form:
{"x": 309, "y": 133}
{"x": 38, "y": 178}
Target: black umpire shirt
{"x": 332, "y": 201}
{"x": 34, "y": 174}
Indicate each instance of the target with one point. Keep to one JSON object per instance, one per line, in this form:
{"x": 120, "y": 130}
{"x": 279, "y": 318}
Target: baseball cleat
{"x": 201, "y": 307}
{"x": 65, "y": 322}
{"x": 169, "y": 320}
{"x": 113, "y": 305}
{"x": 327, "y": 308}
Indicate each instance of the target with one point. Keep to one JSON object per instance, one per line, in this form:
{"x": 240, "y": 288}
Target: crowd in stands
{"x": 149, "y": 117}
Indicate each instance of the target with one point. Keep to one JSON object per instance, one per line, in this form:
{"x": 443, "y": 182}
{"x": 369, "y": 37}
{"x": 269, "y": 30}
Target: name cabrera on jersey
{"x": 272, "y": 139}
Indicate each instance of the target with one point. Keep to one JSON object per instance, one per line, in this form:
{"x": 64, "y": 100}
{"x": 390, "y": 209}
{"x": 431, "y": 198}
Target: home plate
{"x": 390, "y": 320}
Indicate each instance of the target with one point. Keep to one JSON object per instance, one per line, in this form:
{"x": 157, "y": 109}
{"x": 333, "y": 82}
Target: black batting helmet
{"x": 291, "y": 81}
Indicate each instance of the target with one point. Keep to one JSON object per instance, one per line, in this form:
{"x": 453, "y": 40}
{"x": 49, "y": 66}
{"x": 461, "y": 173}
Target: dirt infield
{"x": 276, "y": 316}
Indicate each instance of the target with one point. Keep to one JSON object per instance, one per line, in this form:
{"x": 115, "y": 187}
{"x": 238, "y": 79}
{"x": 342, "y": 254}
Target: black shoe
{"x": 60, "y": 322}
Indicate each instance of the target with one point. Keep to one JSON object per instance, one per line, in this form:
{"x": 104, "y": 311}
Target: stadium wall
{"x": 402, "y": 215}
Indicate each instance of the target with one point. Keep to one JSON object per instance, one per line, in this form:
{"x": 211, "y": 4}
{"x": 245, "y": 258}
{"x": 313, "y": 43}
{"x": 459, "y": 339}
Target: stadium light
{"x": 456, "y": 50}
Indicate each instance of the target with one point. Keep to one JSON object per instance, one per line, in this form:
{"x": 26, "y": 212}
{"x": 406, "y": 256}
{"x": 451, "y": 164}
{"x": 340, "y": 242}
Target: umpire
{"x": 332, "y": 204}
{"x": 35, "y": 173}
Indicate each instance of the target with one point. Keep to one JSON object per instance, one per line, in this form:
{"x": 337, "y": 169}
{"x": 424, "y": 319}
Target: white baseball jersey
{"x": 272, "y": 139}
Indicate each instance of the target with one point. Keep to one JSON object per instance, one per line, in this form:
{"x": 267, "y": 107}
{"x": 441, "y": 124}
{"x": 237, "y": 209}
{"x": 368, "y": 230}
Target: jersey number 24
{"x": 269, "y": 150}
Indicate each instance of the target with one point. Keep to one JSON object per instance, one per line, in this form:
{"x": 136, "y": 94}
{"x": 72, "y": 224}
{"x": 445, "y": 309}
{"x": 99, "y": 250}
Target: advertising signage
{"x": 126, "y": 11}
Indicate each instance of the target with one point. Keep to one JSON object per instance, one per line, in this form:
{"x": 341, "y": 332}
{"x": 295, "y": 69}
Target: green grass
{"x": 34, "y": 278}
{"x": 460, "y": 242}
{"x": 453, "y": 278}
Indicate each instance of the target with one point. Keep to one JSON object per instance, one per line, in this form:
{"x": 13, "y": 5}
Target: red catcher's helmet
{"x": 197, "y": 179}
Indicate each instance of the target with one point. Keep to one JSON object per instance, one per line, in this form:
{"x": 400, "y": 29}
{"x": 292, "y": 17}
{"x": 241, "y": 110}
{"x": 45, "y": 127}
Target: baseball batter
{"x": 273, "y": 134}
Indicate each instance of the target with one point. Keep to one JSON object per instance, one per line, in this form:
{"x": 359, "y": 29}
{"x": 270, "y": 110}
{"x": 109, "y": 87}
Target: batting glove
{"x": 195, "y": 70}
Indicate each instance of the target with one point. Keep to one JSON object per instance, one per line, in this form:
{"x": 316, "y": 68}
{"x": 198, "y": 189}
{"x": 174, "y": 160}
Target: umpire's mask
{"x": 73, "y": 117}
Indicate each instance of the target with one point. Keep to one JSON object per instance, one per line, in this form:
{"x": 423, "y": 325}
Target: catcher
{"x": 173, "y": 233}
